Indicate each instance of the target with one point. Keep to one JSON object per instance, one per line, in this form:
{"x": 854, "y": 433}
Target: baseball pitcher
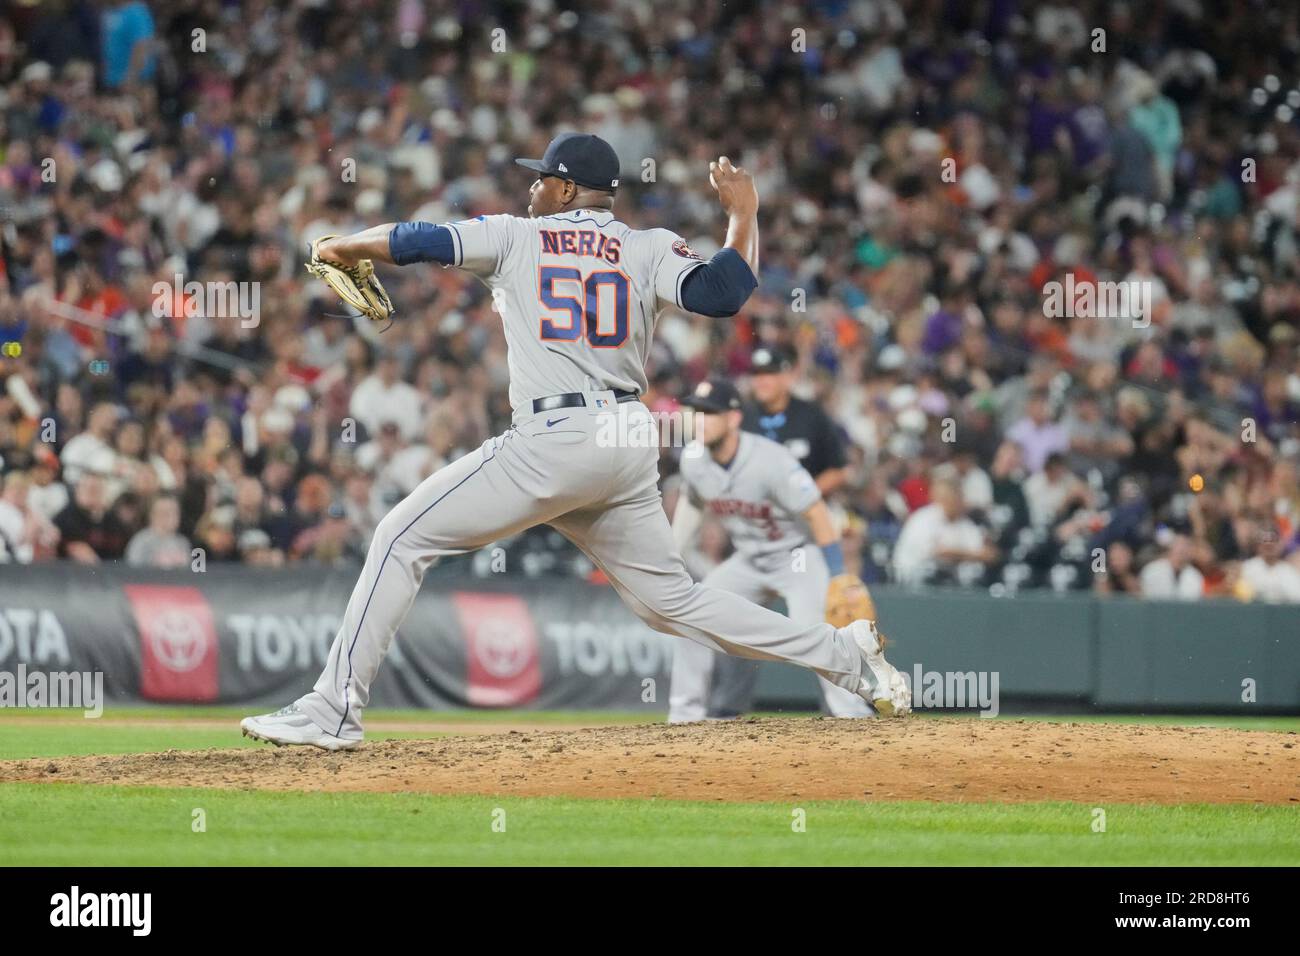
{"x": 578, "y": 293}
{"x": 769, "y": 505}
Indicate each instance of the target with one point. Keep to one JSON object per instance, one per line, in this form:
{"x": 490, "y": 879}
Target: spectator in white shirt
{"x": 92, "y": 450}
{"x": 1053, "y": 492}
{"x": 14, "y": 547}
{"x": 23, "y": 529}
{"x": 377, "y": 459}
{"x": 939, "y": 534}
{"x": 382, "y": 396}
{"x": 976, "y": 486}
{"x": 417, "y": 462}
{"x": 325, "y": 343}
{"x": 1173, "y": 577}
{"x": 160, "y": 545}
{"x": 47, "y": 495}
{"x": 1266, "y": 576}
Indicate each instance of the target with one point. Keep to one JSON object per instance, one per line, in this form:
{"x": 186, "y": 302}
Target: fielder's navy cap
{"x": 581, "y": 157}
{"x": 713, "y": 396}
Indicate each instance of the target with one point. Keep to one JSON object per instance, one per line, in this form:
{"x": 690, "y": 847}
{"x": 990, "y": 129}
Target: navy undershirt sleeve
{"x": 411, "y": 242}
{"x": 719, "y": 287}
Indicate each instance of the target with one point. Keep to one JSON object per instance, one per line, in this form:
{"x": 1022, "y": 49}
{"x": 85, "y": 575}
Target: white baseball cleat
{"x": 290, "y": 725}
{"x": 882, "y": 685}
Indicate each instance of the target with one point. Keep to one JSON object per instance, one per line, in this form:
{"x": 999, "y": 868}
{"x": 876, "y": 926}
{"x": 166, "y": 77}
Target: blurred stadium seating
{"x": 927, "y": 171}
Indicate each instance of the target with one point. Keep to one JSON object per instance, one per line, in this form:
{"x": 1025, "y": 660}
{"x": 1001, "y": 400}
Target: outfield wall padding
{"x": 237, "y": 635}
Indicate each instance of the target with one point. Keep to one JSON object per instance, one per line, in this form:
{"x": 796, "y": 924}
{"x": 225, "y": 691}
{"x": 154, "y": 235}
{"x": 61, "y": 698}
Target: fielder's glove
{"x": 848, "y": 600}
{"x": 357, "y": 285}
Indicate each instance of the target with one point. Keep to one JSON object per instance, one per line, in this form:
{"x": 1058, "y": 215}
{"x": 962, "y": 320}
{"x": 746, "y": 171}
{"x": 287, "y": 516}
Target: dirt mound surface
{"x": 947, "y": 759}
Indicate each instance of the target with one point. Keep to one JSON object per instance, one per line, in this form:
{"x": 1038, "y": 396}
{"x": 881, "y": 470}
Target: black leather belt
{"x": 575, "y": 400}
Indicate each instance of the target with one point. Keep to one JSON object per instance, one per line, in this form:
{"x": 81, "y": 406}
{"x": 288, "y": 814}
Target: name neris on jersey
{"x": 581, "y": 242}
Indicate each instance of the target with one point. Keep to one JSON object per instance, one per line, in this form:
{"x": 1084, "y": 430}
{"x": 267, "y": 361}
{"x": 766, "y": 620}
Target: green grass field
{"x": 57, "y": 824}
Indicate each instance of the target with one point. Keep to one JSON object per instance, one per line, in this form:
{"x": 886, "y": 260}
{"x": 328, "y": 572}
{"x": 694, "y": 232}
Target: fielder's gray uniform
{"x": 760, "y": 498}
{"x": 578, "y": 294}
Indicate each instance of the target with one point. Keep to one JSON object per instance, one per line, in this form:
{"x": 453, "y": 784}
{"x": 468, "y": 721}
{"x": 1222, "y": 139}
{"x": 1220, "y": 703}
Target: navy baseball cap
{"x": 771, "y": 358}
{"x": 713, "y": 396}
{"x": 581, "y": 157}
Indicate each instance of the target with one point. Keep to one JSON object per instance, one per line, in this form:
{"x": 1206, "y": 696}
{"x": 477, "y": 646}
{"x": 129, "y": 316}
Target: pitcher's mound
{"x": 951, "y": 759}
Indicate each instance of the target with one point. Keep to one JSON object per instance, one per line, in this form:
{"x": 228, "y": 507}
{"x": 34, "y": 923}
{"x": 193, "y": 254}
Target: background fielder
{"x": 807, "y": 432}
{"x": 578, "y": 293}
{"x": 770, "y": 506}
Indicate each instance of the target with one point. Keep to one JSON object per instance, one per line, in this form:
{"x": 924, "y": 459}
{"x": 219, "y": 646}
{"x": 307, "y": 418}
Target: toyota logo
{"x": 177, "y": 640}
{"x": 501, "y": 649}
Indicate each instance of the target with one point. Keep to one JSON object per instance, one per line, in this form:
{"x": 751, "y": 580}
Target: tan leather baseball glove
{"x": 358, "y": 285}
{"x": 848, "y": 600}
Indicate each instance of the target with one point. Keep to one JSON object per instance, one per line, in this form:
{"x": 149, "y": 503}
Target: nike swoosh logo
{"x": 551, "y": 424}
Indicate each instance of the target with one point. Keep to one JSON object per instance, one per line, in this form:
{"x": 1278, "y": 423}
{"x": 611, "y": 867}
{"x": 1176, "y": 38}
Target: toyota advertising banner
{"x": 238, "y": 635}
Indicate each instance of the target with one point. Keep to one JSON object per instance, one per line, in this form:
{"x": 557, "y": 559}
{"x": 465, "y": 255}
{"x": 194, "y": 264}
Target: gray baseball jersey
{"x": 578, "y": 294}
{"x": 759, "y": 497}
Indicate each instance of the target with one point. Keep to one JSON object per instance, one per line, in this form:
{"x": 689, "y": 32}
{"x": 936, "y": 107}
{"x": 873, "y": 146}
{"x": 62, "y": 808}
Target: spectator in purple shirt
{"x": 1038, "y": 434}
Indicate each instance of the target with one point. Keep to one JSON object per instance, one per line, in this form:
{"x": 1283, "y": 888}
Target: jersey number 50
{"x": 581, "y": 306}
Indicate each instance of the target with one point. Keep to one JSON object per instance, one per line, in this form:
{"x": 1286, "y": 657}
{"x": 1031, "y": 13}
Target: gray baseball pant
{"x": 803, "y": 588}
{"x": 602, "y": 496}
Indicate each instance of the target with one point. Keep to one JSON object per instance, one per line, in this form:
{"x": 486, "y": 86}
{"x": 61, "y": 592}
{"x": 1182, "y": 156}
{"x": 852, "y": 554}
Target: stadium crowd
{"x": 927, "y": 171}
